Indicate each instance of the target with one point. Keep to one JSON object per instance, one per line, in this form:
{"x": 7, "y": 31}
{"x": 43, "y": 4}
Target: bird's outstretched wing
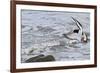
{"x": 79, "y": 25}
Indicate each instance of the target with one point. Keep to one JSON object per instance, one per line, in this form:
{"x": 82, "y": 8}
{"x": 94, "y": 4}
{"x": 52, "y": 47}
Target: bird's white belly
{"x": 75, "y": 36}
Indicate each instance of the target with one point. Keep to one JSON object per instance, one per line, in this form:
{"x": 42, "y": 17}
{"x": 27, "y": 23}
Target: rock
{"x": 33, "y": 59}
{"x": 46, "y": 59}
{"x": 41, "y": 58}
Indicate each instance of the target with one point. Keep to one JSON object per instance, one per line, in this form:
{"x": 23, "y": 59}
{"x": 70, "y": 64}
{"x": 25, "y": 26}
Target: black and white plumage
{"x": 76, "y": 34}
{"x": 79, "y": 25}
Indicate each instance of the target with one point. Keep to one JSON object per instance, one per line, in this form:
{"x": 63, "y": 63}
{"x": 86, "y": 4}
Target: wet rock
{"x": 33, "y": 59}
{"x": 41, "y": 58}
{"x": 46, "y": 58}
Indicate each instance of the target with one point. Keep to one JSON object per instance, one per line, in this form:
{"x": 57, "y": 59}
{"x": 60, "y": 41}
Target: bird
{"x": 76, "y": 34}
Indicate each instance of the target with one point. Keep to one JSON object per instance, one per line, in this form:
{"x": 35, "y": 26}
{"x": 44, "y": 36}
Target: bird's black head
{"x": 76, "y": 31}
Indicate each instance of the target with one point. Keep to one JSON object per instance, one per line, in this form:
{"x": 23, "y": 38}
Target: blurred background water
{"x": 42, "y": 34}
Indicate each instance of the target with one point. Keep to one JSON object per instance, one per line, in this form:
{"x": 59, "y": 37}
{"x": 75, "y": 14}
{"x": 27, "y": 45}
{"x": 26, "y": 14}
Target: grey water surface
{"x": 41, "y": 33}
